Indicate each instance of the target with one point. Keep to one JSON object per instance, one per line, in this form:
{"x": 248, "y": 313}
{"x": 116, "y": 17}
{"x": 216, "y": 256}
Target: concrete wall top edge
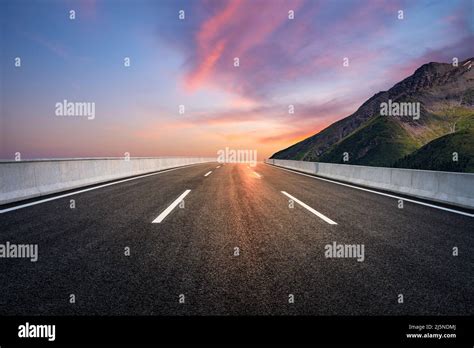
{"x": 446, "y": 187}
{"x": 401, "y": 169}
{"x": 97, "y": 158}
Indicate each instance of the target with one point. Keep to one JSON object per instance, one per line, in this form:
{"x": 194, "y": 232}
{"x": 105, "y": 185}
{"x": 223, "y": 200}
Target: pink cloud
{"x": 233, "y": 31}
{"x": 210, "y": 51}
{"x": 289, "y": 137}
{"x": 275, "y": 50}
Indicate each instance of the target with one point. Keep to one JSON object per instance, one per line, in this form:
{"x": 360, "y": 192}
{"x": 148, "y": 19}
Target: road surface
{"x": 191, "y": 250}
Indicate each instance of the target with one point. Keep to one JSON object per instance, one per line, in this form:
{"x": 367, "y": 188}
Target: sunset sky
{"x": 190, "y": 62}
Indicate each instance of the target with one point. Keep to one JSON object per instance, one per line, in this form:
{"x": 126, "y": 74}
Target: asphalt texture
{"x": 281, "y": 250}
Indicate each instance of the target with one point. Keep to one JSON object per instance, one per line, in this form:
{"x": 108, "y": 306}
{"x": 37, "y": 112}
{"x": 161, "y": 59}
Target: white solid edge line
{"x": 315, "y": 212}
{"x": 171, "y": 207}
{"x": 89, "y": 189}
{"x": 378, "y": 193}
{"x": 218, "y": 167}
{"x": 258, "y": 175}
{"x": 209, "y": 172}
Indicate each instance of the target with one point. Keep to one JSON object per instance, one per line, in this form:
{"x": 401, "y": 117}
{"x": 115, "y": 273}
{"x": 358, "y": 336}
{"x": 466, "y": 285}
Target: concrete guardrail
{"x": 33, "y": 178}
{"x": 446, "y": 187}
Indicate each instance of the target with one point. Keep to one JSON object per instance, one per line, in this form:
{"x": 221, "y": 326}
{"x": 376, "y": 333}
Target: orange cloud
{"x": 205, "y": 68}
{"x": 233, "y": 31}
{"x": 205, "y": 41}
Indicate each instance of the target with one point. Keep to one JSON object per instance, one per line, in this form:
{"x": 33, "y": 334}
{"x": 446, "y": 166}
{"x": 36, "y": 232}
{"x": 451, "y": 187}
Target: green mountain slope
{"x": 441, "y": 153}
{"x": 446, "y": 97}
{"x": 379, "y": 143}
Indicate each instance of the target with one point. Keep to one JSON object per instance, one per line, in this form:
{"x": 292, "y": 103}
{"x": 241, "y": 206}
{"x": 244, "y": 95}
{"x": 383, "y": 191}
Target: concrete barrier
{"x": 33, "y": 178}
{"x": 446, "y": 187}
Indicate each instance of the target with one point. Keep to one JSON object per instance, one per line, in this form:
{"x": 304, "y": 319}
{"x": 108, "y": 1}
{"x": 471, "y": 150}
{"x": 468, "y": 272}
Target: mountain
{"x": 444, "y": 125}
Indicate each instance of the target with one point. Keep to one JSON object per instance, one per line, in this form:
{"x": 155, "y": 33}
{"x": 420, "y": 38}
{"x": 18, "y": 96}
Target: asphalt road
{"x": 191, "y": 251}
